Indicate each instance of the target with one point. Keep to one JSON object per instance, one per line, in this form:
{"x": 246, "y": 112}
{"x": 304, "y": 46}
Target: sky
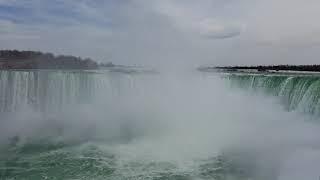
{"x": 166, "y": 32}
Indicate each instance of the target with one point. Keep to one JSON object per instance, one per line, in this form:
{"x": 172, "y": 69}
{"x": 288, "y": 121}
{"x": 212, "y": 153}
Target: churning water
{"x": 109, "y": 125}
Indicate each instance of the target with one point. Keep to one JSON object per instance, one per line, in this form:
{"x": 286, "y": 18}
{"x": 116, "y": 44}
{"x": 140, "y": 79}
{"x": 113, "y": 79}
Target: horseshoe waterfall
{"x": 104, "y": 124}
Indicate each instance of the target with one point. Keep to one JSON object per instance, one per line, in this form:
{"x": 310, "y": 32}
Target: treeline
{"x": 313, "y": 68}
{"x": 14, "y": 59}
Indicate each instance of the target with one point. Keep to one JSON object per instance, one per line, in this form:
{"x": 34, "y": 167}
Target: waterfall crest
{"x": 297, "y": 93}
{"x": 53, "y": 90}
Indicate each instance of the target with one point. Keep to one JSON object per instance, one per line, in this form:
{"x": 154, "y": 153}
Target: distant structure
{"x": 107, "y": 65}
{"x": 14, "y": 59}
{"x": 308, "y": 68}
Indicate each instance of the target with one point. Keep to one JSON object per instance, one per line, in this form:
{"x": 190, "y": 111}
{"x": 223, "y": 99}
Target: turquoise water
{"x": 98, "y": 161}
{"x": 106, "y": 125}
{"x": 296, "y": 92}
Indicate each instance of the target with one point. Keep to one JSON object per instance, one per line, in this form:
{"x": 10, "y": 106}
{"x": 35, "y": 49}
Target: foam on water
{"x": 148, "y": 127}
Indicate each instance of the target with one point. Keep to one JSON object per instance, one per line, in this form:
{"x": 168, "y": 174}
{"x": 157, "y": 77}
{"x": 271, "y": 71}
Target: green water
{"x": 75, "y": 125}
{"x": 296, "y": 93}
{"x": 44, "y": 160}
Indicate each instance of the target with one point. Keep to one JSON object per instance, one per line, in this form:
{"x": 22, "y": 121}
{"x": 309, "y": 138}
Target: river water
{"x": 187, "y": 126}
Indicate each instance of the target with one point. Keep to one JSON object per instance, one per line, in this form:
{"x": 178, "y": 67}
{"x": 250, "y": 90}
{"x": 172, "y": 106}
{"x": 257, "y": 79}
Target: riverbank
{"x": 299, "y": 68}
{"x": 279, "y": 70}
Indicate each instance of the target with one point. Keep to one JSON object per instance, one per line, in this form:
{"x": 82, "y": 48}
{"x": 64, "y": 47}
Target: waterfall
{"x": 115, "y": 125}
{"x": 297, "y": 92}
{"x": 53, "y": 90}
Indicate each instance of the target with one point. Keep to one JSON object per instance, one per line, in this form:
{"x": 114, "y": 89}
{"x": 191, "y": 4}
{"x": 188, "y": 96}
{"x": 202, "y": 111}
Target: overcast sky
{"x": 157, "y": 32}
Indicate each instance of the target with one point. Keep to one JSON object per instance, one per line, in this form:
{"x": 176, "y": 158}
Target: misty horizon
{"x": 159, "y": 89}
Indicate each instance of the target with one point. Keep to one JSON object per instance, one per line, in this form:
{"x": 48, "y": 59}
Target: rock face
{"x": 13, "y": 59}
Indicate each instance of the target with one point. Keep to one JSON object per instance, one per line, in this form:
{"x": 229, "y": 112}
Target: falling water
{"x": 53, "y": 90}
{"x": 296, "y": 92}
{"x": 111, "y": 125}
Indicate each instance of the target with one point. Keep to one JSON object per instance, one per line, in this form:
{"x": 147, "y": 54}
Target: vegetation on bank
{"x": 14, "y": 59}
{"x": 310, "y": 68}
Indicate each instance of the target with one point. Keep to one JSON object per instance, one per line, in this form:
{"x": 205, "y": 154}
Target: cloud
{"x": 213, "y": 29}
{"x": 11, "y": 31}
{"x": 199, "y": 20}
{"x": 166, "y": 32}
{"x": 51, "y": 26}
{"x": 285, "y": 22}
{"x": 128, "y": 32}
{"x": 5, "y": 26}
